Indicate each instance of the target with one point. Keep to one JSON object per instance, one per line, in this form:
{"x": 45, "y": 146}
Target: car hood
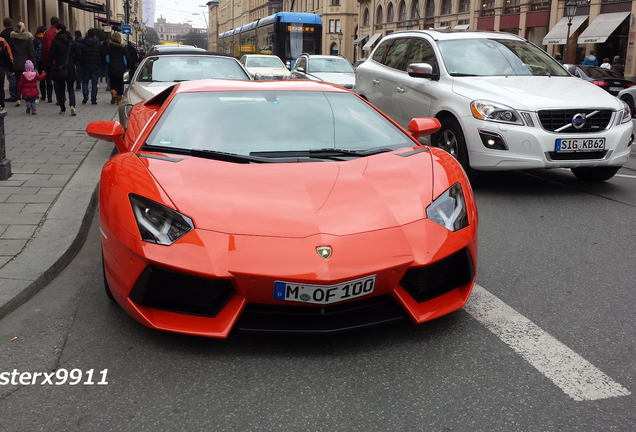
{"x": 336, "y": 78}
{"x": 533, "y": 93}
{"x": 268, "y": 71}
{"x": 145, "y": 91}
{"x": 299, "y": 199}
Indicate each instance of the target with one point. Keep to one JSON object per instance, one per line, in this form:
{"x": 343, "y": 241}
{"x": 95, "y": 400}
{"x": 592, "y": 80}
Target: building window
{"x": 464, "y": 6}
{"x": 335, "y": 2}
{"x": 367, "y": 17}
{"x": 378, "y": 18}
{"x": 430, "y": 9}
{"x": 415, "y": 10}
{"x": 512, "y": 6}
{"x": 334, "y": 26}
{"x": 488, "y": 8}
{"x": 389, "y": 13}
{"x": 402, "y": 16}
{"x": 446, "y": 7}
{"x": 334, "y": 49}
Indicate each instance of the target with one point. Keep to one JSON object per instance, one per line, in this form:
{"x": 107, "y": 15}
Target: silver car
{"x": 158, "y": 72}
{"x": 327, "y": 68}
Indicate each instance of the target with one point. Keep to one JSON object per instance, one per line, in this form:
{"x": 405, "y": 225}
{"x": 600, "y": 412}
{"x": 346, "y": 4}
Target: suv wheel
{"x": 451, "y": 138}
{"x": 597, "y": 174}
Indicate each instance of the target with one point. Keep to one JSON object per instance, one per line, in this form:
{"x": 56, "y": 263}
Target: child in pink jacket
{"x": 28, "y": 87}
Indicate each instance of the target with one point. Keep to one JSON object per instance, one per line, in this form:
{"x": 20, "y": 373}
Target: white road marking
{"x": 625, "y": 175}
{"x": 578, "y": 378}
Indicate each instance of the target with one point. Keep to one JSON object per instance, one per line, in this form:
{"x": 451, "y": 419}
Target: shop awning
{"x": 373, "y": 40}
{"x": 602, "y": 27}
{"x": 559, "y": 33}
{"x": 85, "y": 5}
{"x": 461, "y": 27}
{"x": 360, "y": 40}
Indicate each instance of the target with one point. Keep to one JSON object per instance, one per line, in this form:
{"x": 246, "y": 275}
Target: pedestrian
{"x": 557, "y": 57}
{"x": 37, "y": 45}
{"x": 117, "y": 61}
{"x": 28, "y": 87}
{"x": 6, "y": 66}
{"x": 47, "y": 40}
{"x": 590, "y": 60}
{"x": 23, "y": 50}
{"x": 606, "y": 64}
{"x": 78, "y": 67}
{"x": 91, "y": 61}
{"x": 13, "y": 83}
{"x": 134, "y": 58}
{"x": 618, "y": 67}
{"x": 63, "y": 55}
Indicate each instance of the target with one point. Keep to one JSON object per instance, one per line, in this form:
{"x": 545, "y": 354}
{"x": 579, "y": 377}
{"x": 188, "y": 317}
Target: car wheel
{"x": 596, "y": 174}
{"x": 630, "y": 101}
{"x": 451, "y": 138}
{"x": 106, "y": 286}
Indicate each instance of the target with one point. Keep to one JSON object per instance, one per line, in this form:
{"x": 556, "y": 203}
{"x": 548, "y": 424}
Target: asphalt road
{"x": 557, "y": 252}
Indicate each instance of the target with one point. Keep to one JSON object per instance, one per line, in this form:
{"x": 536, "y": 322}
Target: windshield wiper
{"x": 324, "y": 153}
{"x": 457, "y": 74}
{"x": 208, "y": 154}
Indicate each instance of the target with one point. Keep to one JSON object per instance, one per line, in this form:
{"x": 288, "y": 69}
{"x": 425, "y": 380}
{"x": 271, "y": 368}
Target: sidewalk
{"x": 47, "y": 204}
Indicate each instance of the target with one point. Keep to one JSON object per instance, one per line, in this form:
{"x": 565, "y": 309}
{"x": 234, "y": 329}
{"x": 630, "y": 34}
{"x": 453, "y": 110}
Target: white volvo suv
{"x": 503, "y": 103}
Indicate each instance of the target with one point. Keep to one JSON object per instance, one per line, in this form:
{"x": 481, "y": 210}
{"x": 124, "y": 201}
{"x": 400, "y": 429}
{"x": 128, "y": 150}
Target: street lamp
{"x": 136, "y": 27}
{"x": 340, "y": 42}
{"x": 570, "y": 11}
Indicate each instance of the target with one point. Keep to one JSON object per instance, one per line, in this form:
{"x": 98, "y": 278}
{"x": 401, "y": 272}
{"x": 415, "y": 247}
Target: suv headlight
{"x": 158, "y": 223}
{"x": 449, "y": 209}
{"x": 491, "y": 111}
{"x": 626, "y": 113}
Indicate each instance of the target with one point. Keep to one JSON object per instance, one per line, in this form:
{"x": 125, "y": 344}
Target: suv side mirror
{"x": 127, "y": 77}
{"x": 300, "y": 69}
{"x": 571, "y": 68}
{"x": 422, "y": 70}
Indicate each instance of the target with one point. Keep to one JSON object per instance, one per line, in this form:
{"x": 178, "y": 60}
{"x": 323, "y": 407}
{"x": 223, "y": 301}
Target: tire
{"x": 596, "y": 174}
{"x": 630, "y": 101}
{"x": 450, "y": 138}
{"x": 109, "y": 294}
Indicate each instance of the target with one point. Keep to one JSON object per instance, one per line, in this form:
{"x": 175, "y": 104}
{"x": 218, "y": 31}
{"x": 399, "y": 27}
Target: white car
{"x": 327, "y": 68}
{"x": 265, "y": 67}
{"x": 503, "y": 103}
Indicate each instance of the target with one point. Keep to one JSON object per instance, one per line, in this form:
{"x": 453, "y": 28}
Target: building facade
{"x": 173, "y": 32}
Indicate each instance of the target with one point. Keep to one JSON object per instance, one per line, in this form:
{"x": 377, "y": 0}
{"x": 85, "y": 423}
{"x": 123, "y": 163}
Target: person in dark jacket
{"x": 23, "y": 50}
{"x": 13, "y": 82}
{"x": 134, "y": 57}
{"x": 92, "y": 55}
{"x": 47, "y": 40}
{"x": 63, "y": 54}
{"x": 78, "y": 67}
{"x": 37, "y": 46}
{"x": 6, "y": 66}
{"x": 618, "y": 67}
{"x": 118, "y": 62}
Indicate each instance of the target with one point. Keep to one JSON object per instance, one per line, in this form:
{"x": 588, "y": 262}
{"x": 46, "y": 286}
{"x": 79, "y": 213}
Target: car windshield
{"x": 335, "y": 64}
{"x": 497, "y": 57}
{"x": 175, "y": 68}
{"x": 600, "y": 73}
{"x": 243, "y": 122}
{"x": 268, "y": 62}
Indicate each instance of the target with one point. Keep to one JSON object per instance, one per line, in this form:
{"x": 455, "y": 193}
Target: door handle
{"x": 376, "y": 81}
{"x": 400, "y": 89}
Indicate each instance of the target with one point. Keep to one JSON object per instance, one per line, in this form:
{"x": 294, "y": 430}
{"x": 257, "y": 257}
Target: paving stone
{"x": 11, "y": 247}
{"x": 18, "y": 232}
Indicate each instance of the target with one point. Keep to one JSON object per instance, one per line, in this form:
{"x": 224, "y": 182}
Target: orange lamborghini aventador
{"x": 287, "y": 206}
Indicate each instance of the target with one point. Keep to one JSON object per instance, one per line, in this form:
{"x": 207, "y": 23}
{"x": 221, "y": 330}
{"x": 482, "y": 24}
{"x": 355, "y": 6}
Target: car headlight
{"x": 449, "y": 209}
{"x": 491, "y": 111}
{"x": 158, "y": 223}
{"x": 626, "y": 113}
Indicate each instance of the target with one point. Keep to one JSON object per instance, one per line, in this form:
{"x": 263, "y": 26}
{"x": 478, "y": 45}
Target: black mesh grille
{"x": 175, "y": 292}
{"x": 320, "y": 319}
{"x": 426, "y": 283}
{"x": 577, "y": 155}
{"x": 551, "y": 120}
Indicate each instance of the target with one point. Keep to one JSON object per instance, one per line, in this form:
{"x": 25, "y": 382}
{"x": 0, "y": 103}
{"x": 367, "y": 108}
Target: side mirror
{"x": 422, "y": 70}
{"x": 423, "y": 126}
{"x": 108, "y": 131}
{"x": 571, "y": 68}
{"x": 127, "y": 77}
{"x": 300, "y": 69}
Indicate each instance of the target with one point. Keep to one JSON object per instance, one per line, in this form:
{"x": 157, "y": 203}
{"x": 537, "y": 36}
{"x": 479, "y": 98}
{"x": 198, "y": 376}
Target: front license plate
{"x": 323, "y": 294}
{"x": 580, "y": 145}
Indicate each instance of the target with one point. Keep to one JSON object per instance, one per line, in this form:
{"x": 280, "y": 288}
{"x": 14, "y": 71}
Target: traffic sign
{"x": 108, "y": 29}
{"x": 126, "y": 29}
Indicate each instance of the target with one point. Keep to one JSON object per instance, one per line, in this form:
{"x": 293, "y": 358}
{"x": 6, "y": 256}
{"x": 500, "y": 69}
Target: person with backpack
{"x": 13, "y": 83}
{"x": 61, "y": 62}
{"x": 117, "y": 61}
{"x": 37, "y": 45}
{"x": 6, "y": 66}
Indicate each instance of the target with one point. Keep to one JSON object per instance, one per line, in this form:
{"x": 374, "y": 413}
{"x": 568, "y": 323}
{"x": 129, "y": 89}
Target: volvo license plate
{"x": 580, "y": 145}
